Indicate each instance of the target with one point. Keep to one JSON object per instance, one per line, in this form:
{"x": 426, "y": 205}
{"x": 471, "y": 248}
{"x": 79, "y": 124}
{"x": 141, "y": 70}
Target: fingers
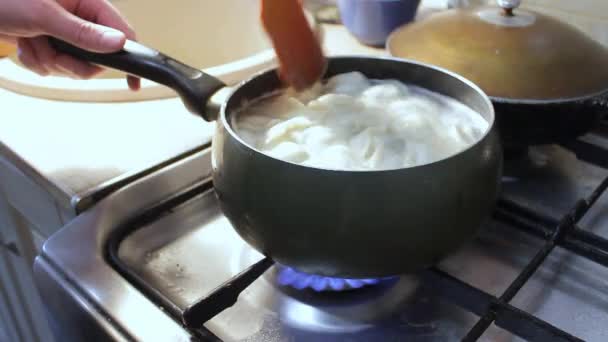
{"x": 106, "y": 32}
{"x": 84, "y": 34}
{"x": 29, "y": 58}
{"x": 37, "y": 55}
{"x": 104, "y": 13}
{"x": 44, "y": 53}
{"x": 134, "y": 83}
{"x": 88, "y": 36}
{"x": 76, "y": 68}
{"x": 108, "y": 15}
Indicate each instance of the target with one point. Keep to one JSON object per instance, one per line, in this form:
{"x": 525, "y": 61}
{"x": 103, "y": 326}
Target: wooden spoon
{"x": 301, "y": 60}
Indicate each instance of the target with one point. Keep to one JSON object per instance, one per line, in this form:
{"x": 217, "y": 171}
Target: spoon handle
{"x": 301, "y": 59}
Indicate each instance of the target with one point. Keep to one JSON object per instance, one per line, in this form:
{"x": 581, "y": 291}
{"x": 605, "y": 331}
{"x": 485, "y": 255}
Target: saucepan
{"x": 355, "y": 224}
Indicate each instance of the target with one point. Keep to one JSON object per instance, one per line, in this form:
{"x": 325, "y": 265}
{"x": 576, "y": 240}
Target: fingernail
{"x": 113, "y": 38}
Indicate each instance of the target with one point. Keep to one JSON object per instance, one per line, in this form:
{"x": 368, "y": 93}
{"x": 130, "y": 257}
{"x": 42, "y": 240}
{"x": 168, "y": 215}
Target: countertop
{"x": 79, "y": 146}
{"x": 71, "y": 152}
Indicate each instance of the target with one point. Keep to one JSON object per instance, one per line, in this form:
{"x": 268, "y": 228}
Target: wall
{"x": 591, "y": 16}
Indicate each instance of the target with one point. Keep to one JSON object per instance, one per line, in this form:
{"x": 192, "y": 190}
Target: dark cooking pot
{"x": 548, "y": 81}
{"x": 329, "y": 222}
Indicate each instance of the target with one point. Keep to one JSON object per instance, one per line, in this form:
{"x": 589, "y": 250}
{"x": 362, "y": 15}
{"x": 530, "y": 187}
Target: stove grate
{"x": 224, "y": 296}
{"x": 564, "y": 233}
{"x": 555, "y": 238}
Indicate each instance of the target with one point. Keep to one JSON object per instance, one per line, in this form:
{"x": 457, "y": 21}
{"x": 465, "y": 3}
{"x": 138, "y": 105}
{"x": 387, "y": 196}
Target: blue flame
{"x": 299, "y": 280}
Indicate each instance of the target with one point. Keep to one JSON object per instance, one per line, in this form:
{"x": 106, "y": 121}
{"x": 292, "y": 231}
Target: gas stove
{"x": 157, "y": 261}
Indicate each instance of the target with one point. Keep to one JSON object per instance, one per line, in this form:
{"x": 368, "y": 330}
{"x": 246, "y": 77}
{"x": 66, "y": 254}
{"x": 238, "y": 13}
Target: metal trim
{"x": 79, "y": 248}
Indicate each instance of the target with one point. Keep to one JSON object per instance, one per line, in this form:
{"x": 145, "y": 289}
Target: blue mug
{"x": 372, "y": 21}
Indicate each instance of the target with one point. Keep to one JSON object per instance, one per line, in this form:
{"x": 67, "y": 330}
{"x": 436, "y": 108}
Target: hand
{"x": 93, "y": 25}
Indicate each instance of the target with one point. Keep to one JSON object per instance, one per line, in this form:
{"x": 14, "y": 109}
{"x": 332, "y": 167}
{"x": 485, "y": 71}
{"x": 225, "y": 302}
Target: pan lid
{"x": 511, "y": 53}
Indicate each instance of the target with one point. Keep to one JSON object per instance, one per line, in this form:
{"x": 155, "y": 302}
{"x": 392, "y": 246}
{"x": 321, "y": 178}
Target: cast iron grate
{"x": 564, "y": 233}
{"x": 491, "y": 309}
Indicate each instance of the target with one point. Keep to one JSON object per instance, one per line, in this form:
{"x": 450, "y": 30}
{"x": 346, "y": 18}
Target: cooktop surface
{"x": 537, "y": 271}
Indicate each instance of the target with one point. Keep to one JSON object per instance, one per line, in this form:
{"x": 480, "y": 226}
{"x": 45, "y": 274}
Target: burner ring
{"x": 287, "y": 276}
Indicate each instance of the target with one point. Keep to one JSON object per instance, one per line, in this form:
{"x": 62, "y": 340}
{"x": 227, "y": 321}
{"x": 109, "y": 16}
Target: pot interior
{"x": 435, "y": 79}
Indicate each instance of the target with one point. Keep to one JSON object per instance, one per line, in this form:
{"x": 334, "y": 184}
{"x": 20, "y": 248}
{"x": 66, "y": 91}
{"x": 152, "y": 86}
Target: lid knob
{"x": 508, "y": 6}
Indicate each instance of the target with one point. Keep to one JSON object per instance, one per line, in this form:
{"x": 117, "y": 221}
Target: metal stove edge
{"x": 73, "y": 260}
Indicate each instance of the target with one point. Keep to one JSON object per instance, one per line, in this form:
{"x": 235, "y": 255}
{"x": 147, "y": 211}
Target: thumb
{"x": 84, "y": 34}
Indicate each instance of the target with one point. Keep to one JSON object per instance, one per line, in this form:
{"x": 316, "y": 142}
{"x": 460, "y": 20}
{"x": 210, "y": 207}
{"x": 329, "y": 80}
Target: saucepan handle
{"x": 193, "y": 86}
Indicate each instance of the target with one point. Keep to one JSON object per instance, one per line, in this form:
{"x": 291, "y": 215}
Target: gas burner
{"x": 287, "y": 276}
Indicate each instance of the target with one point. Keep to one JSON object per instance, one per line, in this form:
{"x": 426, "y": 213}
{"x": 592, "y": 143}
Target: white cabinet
{"x": 22, "y": 317}
{"x": 8, "y": 319}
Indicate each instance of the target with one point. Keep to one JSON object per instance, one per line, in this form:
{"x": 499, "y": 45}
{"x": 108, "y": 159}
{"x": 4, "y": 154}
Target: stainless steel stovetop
{"x": 157, "y": 261}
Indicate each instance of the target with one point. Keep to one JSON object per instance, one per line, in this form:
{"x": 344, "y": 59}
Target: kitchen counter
{"x": 74, "y": 150}
{"x": 59, "y": 157}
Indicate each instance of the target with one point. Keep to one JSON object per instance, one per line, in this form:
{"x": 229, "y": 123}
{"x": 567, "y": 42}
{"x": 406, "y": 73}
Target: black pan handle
{"x": 193, "y": 86}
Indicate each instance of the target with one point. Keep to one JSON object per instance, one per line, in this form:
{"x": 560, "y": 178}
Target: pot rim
{"x": 487, "y": 100}
{"x": 557, "y": 101}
